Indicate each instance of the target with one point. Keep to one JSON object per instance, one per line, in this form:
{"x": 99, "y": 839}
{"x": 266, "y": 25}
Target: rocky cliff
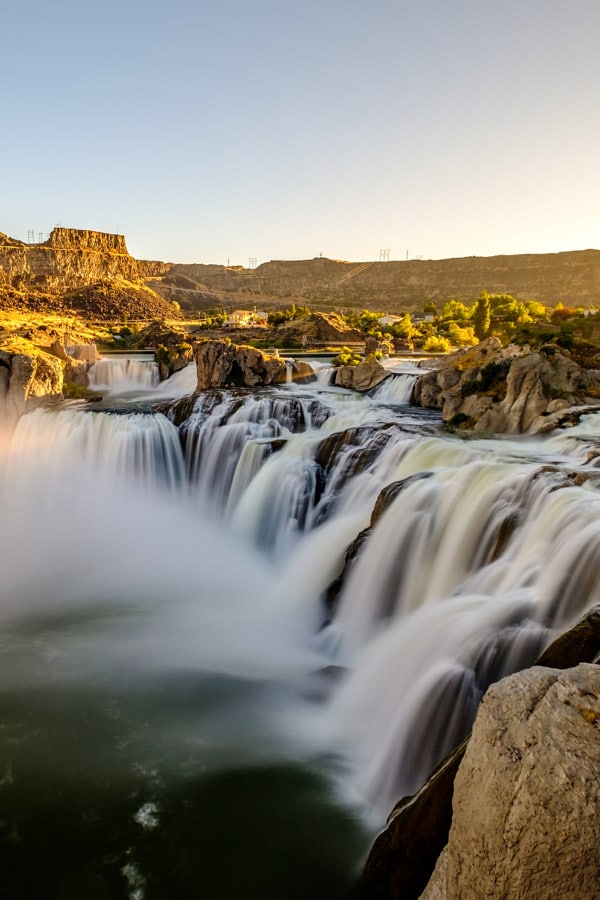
{"x": 27, "y": 381}
{"x": 572, "y": 278}
{"x": 69, "y": 259}
{"x": 404, "y": 855}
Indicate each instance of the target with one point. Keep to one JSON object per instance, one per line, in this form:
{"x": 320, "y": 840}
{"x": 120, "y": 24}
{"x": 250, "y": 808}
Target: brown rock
{"x": 26, "y": 382}
{"x": 510, "y": 390}
{"x": 363, "y": 377}
{"x": 219, "y": 363}
{"x": 526, "y": 808}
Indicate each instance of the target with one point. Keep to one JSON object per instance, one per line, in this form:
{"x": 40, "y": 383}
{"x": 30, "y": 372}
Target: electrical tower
{"x": 384, "y": 255}
{"x": 40, "y": 237}
{"x": 31, "y": 236}
{"x": 252, "y": 262}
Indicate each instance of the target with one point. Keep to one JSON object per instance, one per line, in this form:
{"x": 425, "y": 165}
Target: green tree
{"x": 456, "y": 311}
{"x": 482, "y": 316}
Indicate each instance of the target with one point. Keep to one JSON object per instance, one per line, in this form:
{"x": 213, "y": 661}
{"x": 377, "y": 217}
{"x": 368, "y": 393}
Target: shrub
{"x": 436, "y": 344}
{"x": 347, "y": 357}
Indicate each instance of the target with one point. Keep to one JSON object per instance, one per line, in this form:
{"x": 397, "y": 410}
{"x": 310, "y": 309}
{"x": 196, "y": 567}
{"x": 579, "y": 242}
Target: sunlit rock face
{"x": 26, "y": 382}
{"x": 363, "y": 377}
{"x": 71, "y": 258}
{"x": 220, "y": 363}
{"x": 525, "y": 809}
{"x": 509, "y": 389}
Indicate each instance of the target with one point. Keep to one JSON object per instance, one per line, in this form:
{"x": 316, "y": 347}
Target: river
{"x": 200, "y": 698}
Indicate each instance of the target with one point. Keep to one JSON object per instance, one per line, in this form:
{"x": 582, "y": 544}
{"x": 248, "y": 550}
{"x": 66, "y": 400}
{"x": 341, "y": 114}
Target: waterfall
{"x": 168, "y": 594}
{"x": 123, "y": 374}
{"x": 396, "y": 389}
{"x": 118, "y": 446}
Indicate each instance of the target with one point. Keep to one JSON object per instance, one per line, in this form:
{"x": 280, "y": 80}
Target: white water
{"x": 211, "y": 548}
{"x": 123, "y": 374}
{"x": 396, "y": 389}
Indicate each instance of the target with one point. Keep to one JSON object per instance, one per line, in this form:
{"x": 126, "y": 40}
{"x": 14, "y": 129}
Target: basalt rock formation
{"x": 404, "y": 855}
{"x": 509, "y": 389}
{"x": 222, "y": 364}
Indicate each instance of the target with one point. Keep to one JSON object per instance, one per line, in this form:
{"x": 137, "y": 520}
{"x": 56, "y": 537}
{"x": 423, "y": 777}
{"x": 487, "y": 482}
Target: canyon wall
{"x": 573, "y": 278}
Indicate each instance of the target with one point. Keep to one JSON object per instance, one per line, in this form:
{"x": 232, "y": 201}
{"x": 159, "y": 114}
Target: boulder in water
{"x": 220, "y": 363}
{"x": 363, "y": 377}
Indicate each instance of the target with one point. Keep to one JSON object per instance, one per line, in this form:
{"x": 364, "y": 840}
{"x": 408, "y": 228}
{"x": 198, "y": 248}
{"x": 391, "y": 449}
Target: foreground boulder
{"x": 404, "y": 854}
{"x": 509, "y": 389}
{"x": 526, "y": 807}
{"x": 220, "y": 364}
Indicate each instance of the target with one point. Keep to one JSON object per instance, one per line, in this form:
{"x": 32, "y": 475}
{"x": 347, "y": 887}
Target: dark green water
{"x": 96, "y": 802}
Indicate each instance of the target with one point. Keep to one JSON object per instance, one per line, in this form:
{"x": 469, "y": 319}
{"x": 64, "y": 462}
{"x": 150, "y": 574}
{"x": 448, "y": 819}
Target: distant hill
{"x": 573, "y": 278}
{"x": 66, "y": 266}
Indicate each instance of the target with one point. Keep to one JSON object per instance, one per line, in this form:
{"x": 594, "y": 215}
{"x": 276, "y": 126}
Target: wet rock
{"x": 581, "y": 643}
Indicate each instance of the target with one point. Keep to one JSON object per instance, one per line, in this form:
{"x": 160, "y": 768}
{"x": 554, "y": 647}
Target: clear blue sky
{"x": 208, "y": 131}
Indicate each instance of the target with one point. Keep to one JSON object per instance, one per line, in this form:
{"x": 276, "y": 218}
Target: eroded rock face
{"x": 508, "y": 389}
{"x": 71, "y": 258}
{"x": 26, "y": 382}
{"x": 526, "y": 807}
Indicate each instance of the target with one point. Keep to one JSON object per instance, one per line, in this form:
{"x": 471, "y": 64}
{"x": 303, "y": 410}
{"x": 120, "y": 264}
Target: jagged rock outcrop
{"x": 220, "y": 364}
{"x": 509, "y": 389}
{"x": 526, "y": 807}
{"x": 27, "y": 381}
{"x": 363, "y": 377}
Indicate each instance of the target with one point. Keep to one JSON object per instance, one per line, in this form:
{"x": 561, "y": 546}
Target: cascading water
{"x": 123, "y": 374}
{"x": 169, "y": 595}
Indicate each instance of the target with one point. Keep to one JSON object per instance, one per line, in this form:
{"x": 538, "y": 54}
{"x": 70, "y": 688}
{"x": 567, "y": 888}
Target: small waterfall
{"x": 118, "y": 374}
{"x": 181, "y": 383}
{"x": 396, "y": 390}
{"x": 228, "y": 438}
